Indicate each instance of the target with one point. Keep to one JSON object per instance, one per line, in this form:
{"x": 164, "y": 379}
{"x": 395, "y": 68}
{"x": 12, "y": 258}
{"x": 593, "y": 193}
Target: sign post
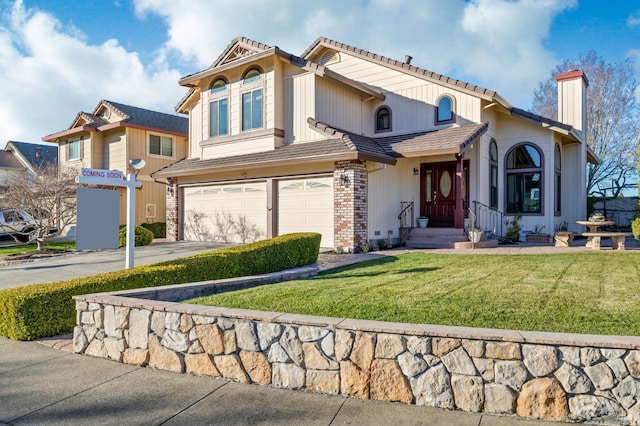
{"x": 116, "y": 178}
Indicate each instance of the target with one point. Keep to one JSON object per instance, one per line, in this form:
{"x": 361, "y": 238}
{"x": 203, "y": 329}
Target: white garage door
{"x": 227, "y": 213}
{"x": 306, "y": 205}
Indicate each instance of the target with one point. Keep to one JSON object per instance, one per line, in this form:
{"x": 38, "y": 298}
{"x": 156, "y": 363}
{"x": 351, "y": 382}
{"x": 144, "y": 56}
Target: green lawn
{"x": 68, "y": 246}
{"x": 595, "y": 292}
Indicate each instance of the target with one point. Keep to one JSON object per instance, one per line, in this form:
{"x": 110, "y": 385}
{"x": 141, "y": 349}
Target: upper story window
{"x": 219, "y": 108}
{"x": 493, "y": 174}
{"x": 252, "y": 101}
{"x": 445, "y": 110}
{"x": 74, "y": 149}
{"x": 219, "y": 85}
{"x": 524, "y": 179}
{"x": 383, "y": 119}
{"x": 161, "y": 145}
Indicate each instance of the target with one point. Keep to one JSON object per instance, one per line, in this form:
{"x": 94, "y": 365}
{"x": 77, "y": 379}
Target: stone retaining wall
{"x": 563, "y": 377}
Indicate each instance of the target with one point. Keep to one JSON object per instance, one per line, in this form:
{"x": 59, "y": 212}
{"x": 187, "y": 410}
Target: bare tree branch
{"x": 613, "y": 117}
{"x": 49, "y": 197}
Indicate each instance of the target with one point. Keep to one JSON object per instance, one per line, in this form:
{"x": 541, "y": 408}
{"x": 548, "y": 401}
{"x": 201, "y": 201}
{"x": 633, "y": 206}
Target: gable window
{"x": 557, "y": 182}
{"x": 493, "y": 174}
{"x": 219, "y": 109}
{"x": 74, "y": 149}
{"x": 161, "y": 145}
{"x": 383, "y": 119}
{"x": 445, "y": 110}
{"x": 524, "y": 179}
{"x": 252, "y": 101}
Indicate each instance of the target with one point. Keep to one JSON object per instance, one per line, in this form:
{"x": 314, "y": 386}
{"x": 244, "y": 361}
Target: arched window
{"x": 493, "y": 174}
{"x": 524, "y": 179}
{"x": 218, "y": 108}
{"x": 383, "y": 119}
{"x": 252, "y": 75}
{"x": 218, "y": 85}
{"x": 557, "y": 182}
{"x": 252, "y": 100}
{"x": 445, "y": 110}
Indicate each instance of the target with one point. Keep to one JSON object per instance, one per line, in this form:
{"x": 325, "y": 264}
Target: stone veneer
{"x": 350, "y": 204}
{"x": 563, "y": 377}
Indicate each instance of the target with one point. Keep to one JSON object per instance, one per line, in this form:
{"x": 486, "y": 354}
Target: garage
{"x": 226, "y": 213}
{"x": 306, "y": 205}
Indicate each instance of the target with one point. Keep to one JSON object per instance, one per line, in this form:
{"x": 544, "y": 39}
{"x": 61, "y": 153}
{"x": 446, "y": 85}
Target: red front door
{"x": 438, "y": 193}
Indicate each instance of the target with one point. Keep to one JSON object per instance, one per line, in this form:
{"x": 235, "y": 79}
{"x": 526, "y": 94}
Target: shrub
{"x": 143, "y": 237}
{"x": 159, "y": 229}
{"x": 41, "y": 310}
{"x": 635, "y": 228}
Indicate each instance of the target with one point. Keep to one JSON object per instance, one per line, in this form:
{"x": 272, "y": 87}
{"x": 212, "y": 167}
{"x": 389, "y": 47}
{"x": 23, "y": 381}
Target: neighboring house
{"x": 115, "y": 133}
{"x": 340, "y": 141}
{"x": 20, "y": 157}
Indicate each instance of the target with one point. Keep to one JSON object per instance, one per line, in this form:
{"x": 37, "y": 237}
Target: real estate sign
{"x": 101, "y": 177}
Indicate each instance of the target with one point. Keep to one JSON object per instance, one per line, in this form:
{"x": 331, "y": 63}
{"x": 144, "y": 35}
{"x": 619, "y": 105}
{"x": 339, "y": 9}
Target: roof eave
{"x": 193, "y": 80}
{"x": 54, "y": 137}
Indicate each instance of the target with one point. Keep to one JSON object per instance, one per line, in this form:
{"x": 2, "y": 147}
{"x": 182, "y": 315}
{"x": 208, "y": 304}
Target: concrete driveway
{"x": 83, "y": 264}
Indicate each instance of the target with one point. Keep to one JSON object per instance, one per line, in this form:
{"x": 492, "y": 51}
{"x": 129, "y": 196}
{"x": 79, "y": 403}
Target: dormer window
{"x": 445, "y": 110}
{"x": 383, "y": 119}
{"x": 252, "y": 100}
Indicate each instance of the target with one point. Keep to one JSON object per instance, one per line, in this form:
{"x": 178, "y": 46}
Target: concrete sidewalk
{"x": 42, "y": 385}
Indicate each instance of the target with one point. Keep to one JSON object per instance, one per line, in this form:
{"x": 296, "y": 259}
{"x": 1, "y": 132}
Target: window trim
{"x": 522, "y": 171}
{"x": 493, "y": 165}
{"x": 69, "y": 143}
{"x": 218, "y": 100}
{"x": 161, "y": 136}
{"x": 453, "y": 110}
{"x": 262, "y": 120}
{"x": 378, "y": 111}
{"x": 557, "y": 181}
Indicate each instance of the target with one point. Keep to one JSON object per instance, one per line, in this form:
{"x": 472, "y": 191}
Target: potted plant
{"x": 474, "y": 235}
{"x": 423, "y": 221}
{"x": 513, "y": 229}
{"x": 537, "y": 236}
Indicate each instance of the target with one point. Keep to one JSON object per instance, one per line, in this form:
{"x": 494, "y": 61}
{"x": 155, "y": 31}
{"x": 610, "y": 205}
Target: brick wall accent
{"x": 350, "y": 204}
{"x": 173, "y": 210}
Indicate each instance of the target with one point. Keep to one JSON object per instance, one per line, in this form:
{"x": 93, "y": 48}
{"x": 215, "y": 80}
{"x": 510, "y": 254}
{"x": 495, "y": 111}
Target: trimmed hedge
{"x": 43, "y": 310}
{"x": 159, "y": 229}
{"x": 635, "y": 228}
{"x": 142, "y": 236}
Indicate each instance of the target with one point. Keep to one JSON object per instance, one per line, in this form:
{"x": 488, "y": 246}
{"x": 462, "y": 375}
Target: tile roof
{"x": 340, "y": 144}
{"x": 439, "y": 78}
{"x": 538, "y": 118}
{"x": 452, "y": 140}
{"x": 151, "y": 119}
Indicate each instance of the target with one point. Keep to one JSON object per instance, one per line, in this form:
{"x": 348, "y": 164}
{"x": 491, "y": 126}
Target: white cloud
{"x": 493, "y": 43}
{"x": 634, "y": 19}
{"x": 50, "y": 73}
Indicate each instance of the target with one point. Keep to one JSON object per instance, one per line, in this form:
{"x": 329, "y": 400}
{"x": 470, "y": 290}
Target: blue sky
{"x": 58, "y": 58}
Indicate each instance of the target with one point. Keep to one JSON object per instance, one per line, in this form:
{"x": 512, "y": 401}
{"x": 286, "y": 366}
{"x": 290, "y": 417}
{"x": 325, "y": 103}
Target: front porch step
{"x": 443, "y": 238}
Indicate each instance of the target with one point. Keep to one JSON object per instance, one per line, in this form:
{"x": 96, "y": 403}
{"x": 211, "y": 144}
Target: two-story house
{"x": 115, "y": 133}
{"x": 345, "y": 142}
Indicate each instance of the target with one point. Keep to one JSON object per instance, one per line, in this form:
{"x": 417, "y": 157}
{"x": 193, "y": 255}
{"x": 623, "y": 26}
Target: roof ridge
{"x": 397, "y": 64}
{"x": 330, "y": 130}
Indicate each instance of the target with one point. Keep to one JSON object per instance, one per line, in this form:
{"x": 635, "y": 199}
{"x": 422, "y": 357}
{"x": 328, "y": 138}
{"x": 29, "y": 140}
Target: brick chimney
{"x": 572, "y": 100}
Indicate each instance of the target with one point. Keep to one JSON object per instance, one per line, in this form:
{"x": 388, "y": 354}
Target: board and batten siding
{"x": 300, "y": 95}
{"x": 407, "y": 88}
{"x": 339, "y": 105}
